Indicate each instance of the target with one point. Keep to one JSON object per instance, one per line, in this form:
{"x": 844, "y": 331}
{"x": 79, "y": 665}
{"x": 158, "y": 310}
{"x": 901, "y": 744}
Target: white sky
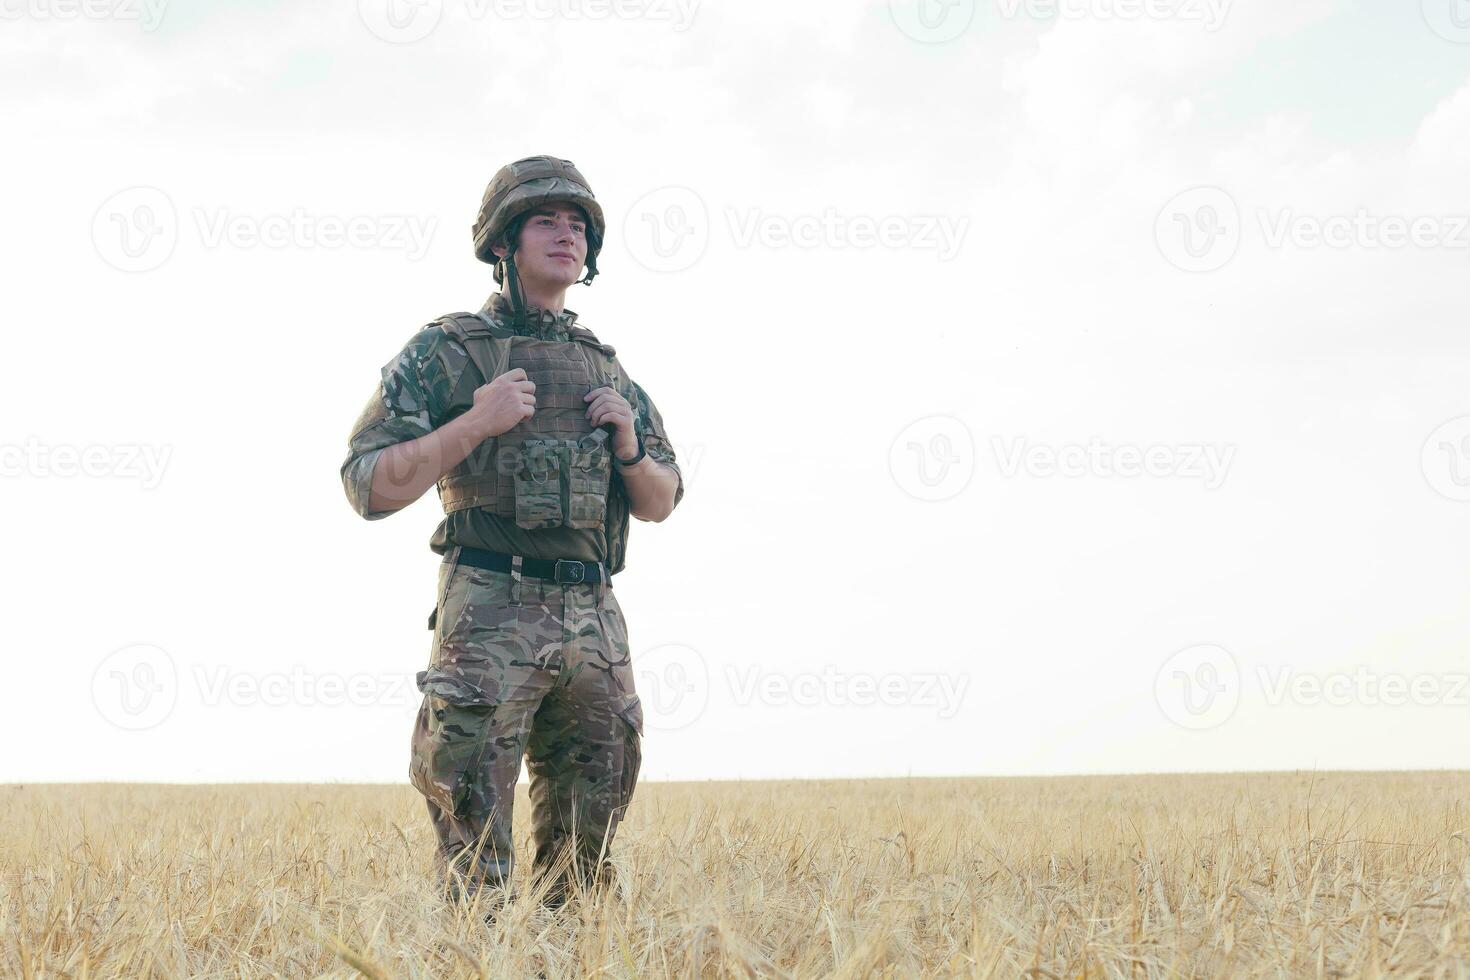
{"x": 1025, "y": 623}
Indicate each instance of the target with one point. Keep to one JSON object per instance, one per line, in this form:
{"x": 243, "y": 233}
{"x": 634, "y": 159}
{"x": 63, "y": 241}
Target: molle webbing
{"x": 563, "y": 372}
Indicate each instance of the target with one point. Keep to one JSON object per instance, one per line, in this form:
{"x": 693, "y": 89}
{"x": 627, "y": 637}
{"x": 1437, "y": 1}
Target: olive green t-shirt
{"x": 412, "y": 400}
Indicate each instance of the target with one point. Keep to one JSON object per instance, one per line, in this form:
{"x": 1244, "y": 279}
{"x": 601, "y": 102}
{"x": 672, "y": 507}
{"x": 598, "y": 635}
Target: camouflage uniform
{"x": 549, "y": 678}
{"x": 519, "y": 665}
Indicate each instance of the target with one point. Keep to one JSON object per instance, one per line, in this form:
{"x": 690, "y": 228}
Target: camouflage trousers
{"x": 524, "y": 666}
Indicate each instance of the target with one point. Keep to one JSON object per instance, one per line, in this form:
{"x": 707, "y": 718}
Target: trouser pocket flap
{"x": 631, "y": 711}
{"x": 449, "y": 740}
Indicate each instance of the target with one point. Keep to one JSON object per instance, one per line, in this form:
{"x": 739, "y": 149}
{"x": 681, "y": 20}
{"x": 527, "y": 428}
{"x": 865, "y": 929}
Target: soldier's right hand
{"x": 504, "y": 403}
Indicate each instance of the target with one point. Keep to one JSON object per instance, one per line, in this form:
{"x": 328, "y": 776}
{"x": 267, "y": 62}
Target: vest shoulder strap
{"x": 488, "y": 344}
{"x": 585, "y": 336}
{"x": 462, "y": 325}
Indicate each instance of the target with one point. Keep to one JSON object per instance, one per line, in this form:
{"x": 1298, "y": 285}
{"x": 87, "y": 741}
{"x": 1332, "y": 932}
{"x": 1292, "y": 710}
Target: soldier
{"x": 541, "y": 447}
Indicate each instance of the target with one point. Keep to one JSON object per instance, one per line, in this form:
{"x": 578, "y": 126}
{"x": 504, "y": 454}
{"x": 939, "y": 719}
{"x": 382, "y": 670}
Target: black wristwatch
{"x": 641, "y": 453}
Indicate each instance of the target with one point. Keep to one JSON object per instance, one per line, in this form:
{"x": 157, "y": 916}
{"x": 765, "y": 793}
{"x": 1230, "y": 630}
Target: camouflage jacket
{"x": 412, "y": 400}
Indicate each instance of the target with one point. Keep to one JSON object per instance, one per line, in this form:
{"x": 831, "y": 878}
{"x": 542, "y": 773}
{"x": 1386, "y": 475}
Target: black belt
{"x": 561, "y": 570}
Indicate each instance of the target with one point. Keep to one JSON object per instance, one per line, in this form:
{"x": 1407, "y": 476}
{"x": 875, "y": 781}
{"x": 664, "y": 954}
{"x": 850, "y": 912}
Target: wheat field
{"x": 1279, "y": 875}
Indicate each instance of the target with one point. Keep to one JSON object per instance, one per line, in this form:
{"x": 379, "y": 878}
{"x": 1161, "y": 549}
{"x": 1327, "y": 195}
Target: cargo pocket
{"x": 632, "y": 713}
{"x": 449, "y": 741}
{"x": 591, "y": 469}
{"x": 455, "y": 583}
{"x": 538, "y": 485}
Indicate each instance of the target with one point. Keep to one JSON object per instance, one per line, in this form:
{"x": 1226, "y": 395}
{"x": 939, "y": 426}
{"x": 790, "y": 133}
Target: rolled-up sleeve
{"x": 398, "y": 411}
{"x": 650, "y": 425}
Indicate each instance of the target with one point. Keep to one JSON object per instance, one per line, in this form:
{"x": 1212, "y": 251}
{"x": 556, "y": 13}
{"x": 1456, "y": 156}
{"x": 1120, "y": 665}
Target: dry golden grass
{"x": 1282, "y": 875}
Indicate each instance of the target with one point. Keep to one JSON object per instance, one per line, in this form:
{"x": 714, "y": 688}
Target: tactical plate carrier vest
{"x": 553, "y": 469}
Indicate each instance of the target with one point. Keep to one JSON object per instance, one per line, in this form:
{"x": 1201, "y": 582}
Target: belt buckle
{"x": 577, "y": 571}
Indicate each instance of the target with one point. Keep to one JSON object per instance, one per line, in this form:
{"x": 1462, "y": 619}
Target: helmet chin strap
{"x": 513, "y": 279}
{"x": 591, "y": 263}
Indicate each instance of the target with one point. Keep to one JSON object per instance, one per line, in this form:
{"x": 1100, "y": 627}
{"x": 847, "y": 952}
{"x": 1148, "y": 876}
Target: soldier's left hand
{"x": 609, "y": 406}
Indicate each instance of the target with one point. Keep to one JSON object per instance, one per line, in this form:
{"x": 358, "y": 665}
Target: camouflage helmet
{"x": 526, "y": 184}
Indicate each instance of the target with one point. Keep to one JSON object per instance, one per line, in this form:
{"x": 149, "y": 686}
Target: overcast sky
{"x": 1074, "y": 387}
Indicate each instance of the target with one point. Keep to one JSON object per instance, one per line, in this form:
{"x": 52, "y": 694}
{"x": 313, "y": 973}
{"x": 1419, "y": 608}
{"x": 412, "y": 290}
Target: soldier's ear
{"x": 512, "y": 233}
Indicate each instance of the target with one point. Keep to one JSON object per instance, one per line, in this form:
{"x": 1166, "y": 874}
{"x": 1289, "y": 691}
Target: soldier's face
{"x": 553, "y": 246}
